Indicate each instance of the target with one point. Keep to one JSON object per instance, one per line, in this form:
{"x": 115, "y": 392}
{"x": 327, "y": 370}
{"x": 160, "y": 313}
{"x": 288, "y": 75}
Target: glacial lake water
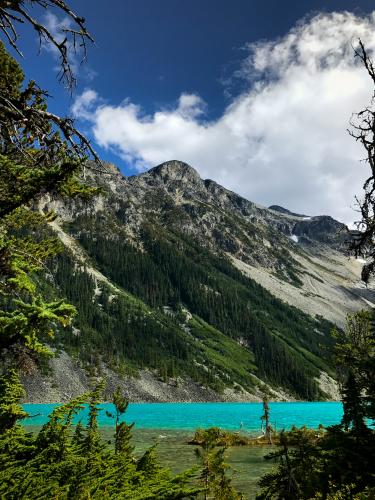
{"x": 171, "y": 425}
{"x": 190, "y": 416}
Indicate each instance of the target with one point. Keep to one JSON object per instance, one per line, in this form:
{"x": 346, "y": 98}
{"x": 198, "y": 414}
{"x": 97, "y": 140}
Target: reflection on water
{"x": 247, "y": 462}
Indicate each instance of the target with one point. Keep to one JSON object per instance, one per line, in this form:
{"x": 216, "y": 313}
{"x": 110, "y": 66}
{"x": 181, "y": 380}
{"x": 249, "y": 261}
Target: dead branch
{"x": 13, "y": 12}
{"x": 362, "y": 129}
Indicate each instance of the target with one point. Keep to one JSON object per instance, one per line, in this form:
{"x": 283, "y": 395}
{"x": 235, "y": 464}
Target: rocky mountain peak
{"x": 273, "y": 245}
{"x": 175, "y": 170}
{"x": 174, "y": 177}
{"x": 285, "y": 211}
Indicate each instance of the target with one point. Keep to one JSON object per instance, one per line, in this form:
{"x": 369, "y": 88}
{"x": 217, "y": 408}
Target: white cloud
{"x": 83, "y": 106}
{"x": 283, "y": 140}
{"x": 190, "y": 106}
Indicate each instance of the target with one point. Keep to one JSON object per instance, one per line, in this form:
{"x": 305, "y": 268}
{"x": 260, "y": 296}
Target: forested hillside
{"x": 172, "y": 300}
{"x": 189, "y": 313}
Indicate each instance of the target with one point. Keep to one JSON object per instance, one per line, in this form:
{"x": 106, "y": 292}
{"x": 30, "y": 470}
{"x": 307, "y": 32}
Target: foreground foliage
{"x": 67, "y": 461}
{"x": 26, "y": 317}
{"x": 214, "y": 478}
{"x": 337, "y": 463}
{"x": 38, "y": 157}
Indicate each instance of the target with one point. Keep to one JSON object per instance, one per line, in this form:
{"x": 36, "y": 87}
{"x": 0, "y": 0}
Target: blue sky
{"x": 187, "y": 75}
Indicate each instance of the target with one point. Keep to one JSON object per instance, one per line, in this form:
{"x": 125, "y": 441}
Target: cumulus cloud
{"x": 83, "y": 106}
{"x": 283, "y": 140}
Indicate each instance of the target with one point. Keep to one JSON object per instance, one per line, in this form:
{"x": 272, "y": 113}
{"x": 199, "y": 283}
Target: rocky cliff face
{"x": 299, "y": 259}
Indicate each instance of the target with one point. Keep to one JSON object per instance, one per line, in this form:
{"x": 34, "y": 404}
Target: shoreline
{"x": 271, "y": 401}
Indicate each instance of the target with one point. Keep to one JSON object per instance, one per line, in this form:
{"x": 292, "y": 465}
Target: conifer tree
{"x": 337, "y": 461}
{"x": 214, "y": 478}
{"x": 40, "y": 154}
{"x": 266, "y": 420}
{"x": 122, "y": 429}
{"x": 60, "y": 463}
{"x": 354, "y": 357}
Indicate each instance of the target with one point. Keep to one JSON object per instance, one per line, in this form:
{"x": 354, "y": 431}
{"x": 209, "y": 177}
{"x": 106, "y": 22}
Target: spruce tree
{"x": 214, "y": 474}
{"x": 68, "y": 462}
{"x": 337, "y": 462}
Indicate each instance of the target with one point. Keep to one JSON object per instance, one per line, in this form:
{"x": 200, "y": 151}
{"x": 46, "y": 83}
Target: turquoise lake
{"x": 189, "y": 416}
{"x": 171, "y": 425}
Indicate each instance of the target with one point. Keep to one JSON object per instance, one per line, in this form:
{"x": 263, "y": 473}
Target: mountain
{"x": 283, "y": 210}
{"x": 187, "y": 291}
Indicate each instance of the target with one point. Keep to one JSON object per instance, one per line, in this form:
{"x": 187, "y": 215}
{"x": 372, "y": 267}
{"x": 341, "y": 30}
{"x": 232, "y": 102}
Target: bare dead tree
{"x": 26, "y": 114}
{"x": 30, "y": 135}
{"x": 75, "y": 38}
{"x": 265, "y": 418}
{"x": 363, "y": 131}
